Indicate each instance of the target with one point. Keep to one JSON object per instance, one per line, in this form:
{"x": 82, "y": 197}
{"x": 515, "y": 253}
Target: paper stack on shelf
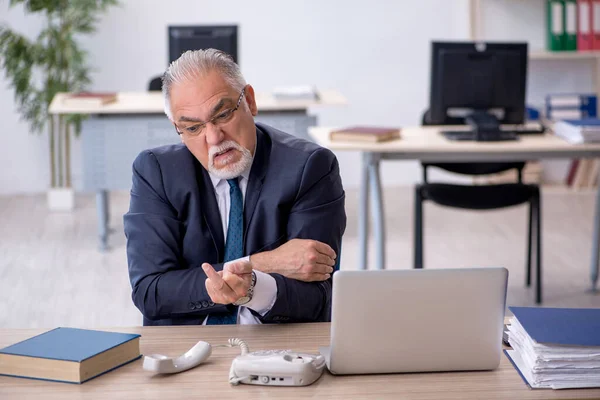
{"x": 556, "y": 348}
{"x": 532, "y": 174}
{"x": 578, "y": 131}
{"x": 305, "y": 92}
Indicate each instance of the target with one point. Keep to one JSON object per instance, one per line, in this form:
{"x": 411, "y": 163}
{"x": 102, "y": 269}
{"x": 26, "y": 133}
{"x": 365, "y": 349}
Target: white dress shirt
{"x": 265, "y": 289}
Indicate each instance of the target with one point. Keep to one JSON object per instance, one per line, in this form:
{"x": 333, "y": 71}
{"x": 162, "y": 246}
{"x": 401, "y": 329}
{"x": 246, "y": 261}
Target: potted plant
{"x": 53, "y": 62}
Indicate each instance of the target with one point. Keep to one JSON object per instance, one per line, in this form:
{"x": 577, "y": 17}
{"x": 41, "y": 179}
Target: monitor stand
{"x": 485, "y": 127}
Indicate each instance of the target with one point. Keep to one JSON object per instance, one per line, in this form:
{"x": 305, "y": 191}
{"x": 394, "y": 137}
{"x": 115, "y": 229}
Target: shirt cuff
{"x": 265, "y": 293}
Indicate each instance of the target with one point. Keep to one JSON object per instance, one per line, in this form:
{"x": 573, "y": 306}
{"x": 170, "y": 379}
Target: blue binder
{"x": 566, "y": 105}
{"x": 559, "y": 326}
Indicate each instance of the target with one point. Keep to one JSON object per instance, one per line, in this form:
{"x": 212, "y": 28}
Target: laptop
{"x": 392, "y": 321}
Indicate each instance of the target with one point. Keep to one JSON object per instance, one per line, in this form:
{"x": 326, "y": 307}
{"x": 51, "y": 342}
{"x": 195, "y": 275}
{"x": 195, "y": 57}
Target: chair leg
{"x": 529, "y": 242}
{"x": 418, "y": 256}
{"x": 538, "y": 292}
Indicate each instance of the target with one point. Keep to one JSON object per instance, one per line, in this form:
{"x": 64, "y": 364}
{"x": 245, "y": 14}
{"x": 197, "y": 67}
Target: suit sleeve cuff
{"x": 265, "y": 293}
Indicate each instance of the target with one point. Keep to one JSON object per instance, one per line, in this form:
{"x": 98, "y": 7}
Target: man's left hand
{"x": 229, "y": 285}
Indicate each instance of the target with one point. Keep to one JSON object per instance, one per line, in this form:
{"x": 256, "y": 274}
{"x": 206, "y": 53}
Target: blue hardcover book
{"x": 556, "y": 348}
{"x": 69, "y": 354}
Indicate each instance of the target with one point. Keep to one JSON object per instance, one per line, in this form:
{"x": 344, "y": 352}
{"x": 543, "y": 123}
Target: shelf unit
{"x": 475, "y": 29}
{"x": 564, "y": 55}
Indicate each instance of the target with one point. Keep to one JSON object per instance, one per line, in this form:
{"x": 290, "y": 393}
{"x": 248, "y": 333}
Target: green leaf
{"x": 54, "y": 55}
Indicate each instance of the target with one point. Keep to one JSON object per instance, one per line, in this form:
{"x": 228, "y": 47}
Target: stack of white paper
{"x": 578, "y": 131}
{"x": 551, "y": 365}
{"x": 302, "y": 92}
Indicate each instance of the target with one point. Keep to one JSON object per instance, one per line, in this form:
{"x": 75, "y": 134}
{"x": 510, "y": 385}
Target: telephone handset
{"x": 270, "y": 367}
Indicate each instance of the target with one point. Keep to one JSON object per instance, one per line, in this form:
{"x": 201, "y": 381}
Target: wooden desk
{"x": 209, "y": 381}
{"x": 117, "y": 132}
{"x": 427, "y": 144}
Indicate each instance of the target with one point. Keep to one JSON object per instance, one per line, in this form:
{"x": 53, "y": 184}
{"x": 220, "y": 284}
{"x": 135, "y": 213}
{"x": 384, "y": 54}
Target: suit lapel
{"x": 210, "y": 209}
{"x": 257, "y": 176}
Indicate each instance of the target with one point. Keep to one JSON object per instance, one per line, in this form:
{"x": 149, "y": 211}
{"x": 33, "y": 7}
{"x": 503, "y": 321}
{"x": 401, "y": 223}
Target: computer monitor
{"x": 483, "y": 83}
{"x": 220, "y": 37}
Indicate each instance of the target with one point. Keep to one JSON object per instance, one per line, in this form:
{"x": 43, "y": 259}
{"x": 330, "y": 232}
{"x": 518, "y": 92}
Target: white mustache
{"x": 223, "y": 147}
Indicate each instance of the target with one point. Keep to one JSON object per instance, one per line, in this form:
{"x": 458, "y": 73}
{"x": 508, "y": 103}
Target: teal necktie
{"x": 234, "y": 245}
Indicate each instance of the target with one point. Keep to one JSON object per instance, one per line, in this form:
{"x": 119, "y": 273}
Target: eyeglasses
{"x": 221, "y": 118}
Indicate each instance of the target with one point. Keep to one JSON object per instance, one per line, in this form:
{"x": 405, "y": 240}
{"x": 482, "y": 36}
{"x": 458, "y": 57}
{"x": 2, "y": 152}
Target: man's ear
{"x": 251, "y": 100}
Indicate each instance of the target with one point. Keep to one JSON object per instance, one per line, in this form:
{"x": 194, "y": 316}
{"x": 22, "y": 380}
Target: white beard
{"x": 229, "y": 171}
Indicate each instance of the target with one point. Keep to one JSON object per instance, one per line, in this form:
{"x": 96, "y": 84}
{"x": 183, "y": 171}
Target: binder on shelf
{"x": 571, "y": 106}
{"x": 584, "y": 23}
{"x": 570, "y": 26}
{"x": 572, "y": 172}
{"x": 555, "y": 24}
{"x": 595, "y": 23}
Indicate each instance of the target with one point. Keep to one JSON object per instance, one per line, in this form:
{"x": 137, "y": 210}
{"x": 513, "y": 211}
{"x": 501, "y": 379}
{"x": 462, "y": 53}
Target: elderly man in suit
{"x": 241, "y": 223}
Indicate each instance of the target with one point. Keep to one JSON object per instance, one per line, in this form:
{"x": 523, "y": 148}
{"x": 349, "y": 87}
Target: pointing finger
{"x": 214, "y": 277}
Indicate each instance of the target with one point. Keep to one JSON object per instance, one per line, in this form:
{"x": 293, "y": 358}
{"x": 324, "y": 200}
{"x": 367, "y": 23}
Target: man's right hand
{"x": 300, "y": 259}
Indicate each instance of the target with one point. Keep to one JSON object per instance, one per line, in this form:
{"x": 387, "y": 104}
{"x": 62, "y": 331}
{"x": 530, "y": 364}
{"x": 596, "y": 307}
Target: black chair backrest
{"x": 155, "y": 84}
{"x": 468, "y": 168}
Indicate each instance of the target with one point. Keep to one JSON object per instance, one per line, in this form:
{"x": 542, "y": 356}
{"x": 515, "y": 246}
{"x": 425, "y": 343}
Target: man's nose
{"x": 214, "y": 135}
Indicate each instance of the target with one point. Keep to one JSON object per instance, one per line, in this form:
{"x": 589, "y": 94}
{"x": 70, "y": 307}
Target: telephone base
{"x": 277, "y": 368}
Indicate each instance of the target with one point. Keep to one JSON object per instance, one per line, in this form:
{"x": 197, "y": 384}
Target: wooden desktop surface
{"x": 209, "y": 380}
{"x": 418, "y": 141}
{"x": 153, "y": 103}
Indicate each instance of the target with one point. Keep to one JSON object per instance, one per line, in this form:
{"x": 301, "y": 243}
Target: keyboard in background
{"x": 501, "y": 136}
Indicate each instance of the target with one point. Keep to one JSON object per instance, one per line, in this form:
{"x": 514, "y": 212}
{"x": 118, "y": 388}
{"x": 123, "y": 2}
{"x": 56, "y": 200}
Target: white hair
{"x": 194, "y": 64}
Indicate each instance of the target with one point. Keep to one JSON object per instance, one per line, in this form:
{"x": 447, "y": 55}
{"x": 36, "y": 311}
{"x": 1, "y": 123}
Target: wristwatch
{"x": 243, "y": 300}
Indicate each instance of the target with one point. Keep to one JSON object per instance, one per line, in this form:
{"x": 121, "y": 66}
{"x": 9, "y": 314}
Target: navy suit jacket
{"x": 173, "y": 226}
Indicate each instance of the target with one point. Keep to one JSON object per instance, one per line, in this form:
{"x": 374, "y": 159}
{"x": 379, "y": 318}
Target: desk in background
{"x": 210, "y": 380}
{"x": 428, "y": 145}
{"x": 117, "y": 132}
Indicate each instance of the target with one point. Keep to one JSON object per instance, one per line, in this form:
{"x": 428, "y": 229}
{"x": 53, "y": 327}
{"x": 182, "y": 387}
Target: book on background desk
{"x": 69, "y": 354}
{"x": 556, "y": 348}
{"x": 364, "y": 134}
{"x": 89, "y": 99}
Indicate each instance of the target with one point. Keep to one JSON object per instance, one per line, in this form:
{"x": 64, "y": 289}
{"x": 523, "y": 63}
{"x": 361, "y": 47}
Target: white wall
{"x": 23, "y": 156}
{"x": 376, "y": 53}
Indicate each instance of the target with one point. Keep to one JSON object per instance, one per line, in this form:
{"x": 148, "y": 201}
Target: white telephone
{"x": 270, "y": 367}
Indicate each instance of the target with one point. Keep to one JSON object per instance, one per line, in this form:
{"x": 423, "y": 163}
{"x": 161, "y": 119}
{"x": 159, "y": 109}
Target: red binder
{"x": 595, "y": 23}
{"x": 584, "y": 22}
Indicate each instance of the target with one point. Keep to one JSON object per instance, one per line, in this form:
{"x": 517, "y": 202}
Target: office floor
{"x": 51, "y": 273}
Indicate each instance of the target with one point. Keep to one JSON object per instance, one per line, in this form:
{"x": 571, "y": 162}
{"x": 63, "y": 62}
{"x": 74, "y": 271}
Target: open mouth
{"x": 224, "y": 152}
{"x": 223, "y": 157}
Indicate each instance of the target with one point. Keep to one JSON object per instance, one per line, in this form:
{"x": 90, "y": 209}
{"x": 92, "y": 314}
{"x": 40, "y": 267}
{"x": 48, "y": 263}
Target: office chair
{"x": 481, "y": 197}
{"x": 155, "y": 84}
